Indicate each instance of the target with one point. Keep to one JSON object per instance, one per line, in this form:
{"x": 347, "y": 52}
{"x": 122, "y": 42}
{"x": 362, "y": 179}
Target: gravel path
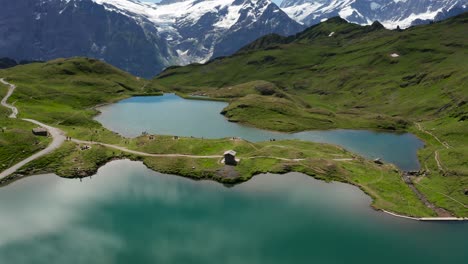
{"x": 58, "y": 137}
{"x": 144, "y": 153}
{"x": 11, "y": 89}
{"x": 436, "y": 153}
{"x": 445, "y": 144}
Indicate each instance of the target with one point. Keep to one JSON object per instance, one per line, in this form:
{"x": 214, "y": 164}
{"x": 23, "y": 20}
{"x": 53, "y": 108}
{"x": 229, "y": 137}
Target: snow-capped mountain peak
{"x": 194, "y": 28}
{"x": 391, "y": 13}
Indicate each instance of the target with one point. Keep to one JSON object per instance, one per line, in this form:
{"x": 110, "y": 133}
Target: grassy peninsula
{"x": 308, "y": 81}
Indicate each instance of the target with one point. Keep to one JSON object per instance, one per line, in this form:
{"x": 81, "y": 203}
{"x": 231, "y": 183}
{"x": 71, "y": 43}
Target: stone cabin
{"x": 230, "y": 158}
{"x": 40, "y": 131}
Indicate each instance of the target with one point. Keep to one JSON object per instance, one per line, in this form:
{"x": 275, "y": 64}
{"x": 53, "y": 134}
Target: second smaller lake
{"x": 173, "y": 115}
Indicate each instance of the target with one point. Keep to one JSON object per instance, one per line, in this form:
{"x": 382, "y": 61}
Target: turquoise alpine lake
{"x": 130, "y": 214}
{"x": 173, "y": 115}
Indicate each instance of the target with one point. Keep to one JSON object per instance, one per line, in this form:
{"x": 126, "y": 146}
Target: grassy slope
{"x": 349, "y": 80}
{"x": 16, "y": 140}
{"x": 64, "y": 92}
{"x": 344, "y": 79}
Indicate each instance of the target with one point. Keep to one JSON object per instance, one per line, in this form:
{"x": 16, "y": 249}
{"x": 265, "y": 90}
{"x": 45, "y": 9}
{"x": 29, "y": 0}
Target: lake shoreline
{"x": 222, "y": 100}
{"x": 238, "y": 181}
{"x": 275, "y": 135}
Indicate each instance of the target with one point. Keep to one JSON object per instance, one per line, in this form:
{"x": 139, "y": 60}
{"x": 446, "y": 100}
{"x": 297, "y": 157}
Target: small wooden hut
{"x": 40, "y": 131}
{"x": 230, "y": 158}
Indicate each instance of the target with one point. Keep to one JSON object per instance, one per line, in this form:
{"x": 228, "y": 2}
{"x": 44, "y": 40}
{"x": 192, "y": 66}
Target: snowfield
{"x": 391, "y": 14}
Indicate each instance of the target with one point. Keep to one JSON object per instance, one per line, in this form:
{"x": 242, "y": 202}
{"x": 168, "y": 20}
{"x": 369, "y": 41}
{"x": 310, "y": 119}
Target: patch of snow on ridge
{"x": 231, "y": 18}
{"x": 300, "y": 12}
{"x": 346, "y": 12}
{"x": 168, "y": 14}
{"x": 405, "y": 23}
{"x": 391, "y": 13}
{"x": 374, "y": 6}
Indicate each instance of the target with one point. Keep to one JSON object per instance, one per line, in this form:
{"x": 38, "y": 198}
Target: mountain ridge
{"x": 141, "y": 38}
{"x": 391, "y": 13}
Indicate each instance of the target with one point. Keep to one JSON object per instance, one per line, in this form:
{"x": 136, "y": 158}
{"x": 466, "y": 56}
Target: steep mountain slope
{"x": 391, "y": 13}
{"x": 199, "y": 30}
{"x": 137, "y": 37}
{"x": 7, "y": 63}
{"x": 43, "y": 30}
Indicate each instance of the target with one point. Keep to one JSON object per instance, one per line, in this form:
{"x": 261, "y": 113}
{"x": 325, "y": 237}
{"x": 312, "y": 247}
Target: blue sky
{"x": 276, "y": 1}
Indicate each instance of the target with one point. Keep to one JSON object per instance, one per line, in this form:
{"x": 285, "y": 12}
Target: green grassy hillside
{"x": 16, "y": 139}
{"x": 64, "y": 92}
{"x": 345, "y": 78}
{"x": 341, "y": 75}
{"x": 67, "y": 89}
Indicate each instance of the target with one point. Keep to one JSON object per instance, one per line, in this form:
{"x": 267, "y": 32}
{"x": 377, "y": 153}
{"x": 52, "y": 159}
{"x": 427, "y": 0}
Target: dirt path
{"x": 439, "y": 211}
{"x": 451, "y": 198}
{"x": 295, "y": 160}
{"x": 144, "y": 153}
{"x": 443, "y": 143}
{"x": 278, "y": 158}
{"x": 11, "y": 89}
{"x": 436, "y": 153}
{"x": 439, "y": 164}
{"x": 58, "y": 137}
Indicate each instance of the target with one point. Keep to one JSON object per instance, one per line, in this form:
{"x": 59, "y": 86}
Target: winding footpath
{"x": 58, "y": 137}
{"x": 139, "y": 153}
{"x": 436, "y": 153}
{"x": 11, "y": 89}
{"x": 443, "y": 143}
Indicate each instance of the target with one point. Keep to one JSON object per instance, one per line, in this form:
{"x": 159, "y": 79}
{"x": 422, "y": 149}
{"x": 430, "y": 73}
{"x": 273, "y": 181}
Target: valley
{"x": 233, "y": 131}
{"x": 164, "y": 154}
{"x": 313, "y": 80}
{"x": 191, "y": 157}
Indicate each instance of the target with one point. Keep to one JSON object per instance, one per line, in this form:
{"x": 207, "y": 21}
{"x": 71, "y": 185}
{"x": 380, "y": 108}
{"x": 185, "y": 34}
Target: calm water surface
{"x": 129, "y": 214}
{"x": 172, "y": 115}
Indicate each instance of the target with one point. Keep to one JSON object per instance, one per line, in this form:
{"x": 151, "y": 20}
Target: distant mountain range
{"x": 144, "y": 38}
{"x": 138, "y": 37}
{"x": 391, "y": 13}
